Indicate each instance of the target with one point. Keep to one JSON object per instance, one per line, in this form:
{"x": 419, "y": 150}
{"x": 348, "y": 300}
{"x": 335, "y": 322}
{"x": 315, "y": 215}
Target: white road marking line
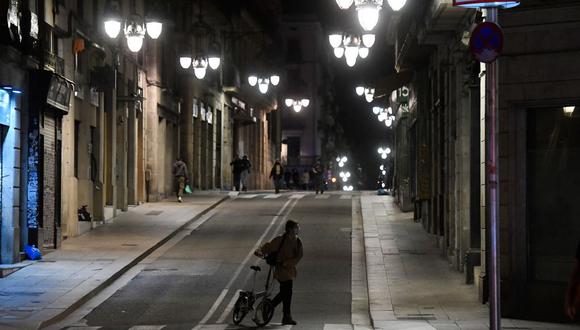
{"x": 272, "y": 196}
{"x": 345, "y": 196}
{"x": 322, "y": 197}
{"x": 338, "y": 327}
{"x": 213, "y": 327}
{"x": 218, "y": 301}
{"x": 229, "y": 307}
{"x": 247, "y": 196}
{"x": 296, "y": 196}
{"x": 147, "y": 327}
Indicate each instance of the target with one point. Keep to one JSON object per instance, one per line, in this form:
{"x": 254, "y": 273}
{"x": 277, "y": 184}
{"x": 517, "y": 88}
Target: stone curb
{"x": 60, "y": 316}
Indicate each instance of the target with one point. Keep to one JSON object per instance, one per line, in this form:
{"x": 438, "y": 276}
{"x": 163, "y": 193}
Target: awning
{"x": 52, "y": 89}
{"x": 241, "y": 110}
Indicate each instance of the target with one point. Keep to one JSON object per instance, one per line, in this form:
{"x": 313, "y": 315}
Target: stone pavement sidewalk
{"x": 411, "y": 285}
{"x": 48, "y": 289}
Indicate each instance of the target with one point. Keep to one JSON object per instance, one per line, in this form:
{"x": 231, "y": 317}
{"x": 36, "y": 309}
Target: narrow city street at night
{"x": 289, "y": 164}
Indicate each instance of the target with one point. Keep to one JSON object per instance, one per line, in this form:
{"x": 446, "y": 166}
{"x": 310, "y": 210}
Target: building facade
{"x": 308, "y": 77}
{"x": 442, "y": 174}
{"x": 87, "y": 122}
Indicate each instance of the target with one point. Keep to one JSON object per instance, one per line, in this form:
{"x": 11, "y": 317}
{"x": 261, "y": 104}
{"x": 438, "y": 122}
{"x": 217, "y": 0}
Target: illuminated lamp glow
{"x": 397, "y": 5}
{"x": 363, "y": 52}
{"x": 134, "y": 43}
{"x": 369, "y": 97}
{"x": 335, "y": 40}
{"x": 112, "y": 28}
{"x": 185, "y": 61}
{"x": 368, "y": 16}
{"x": 154, "y": 29}
{"x": 275, "y": 79}
{"x": 263, "y": 87}
{"x": 214, "y": 62}
{"x": 344, "y": 4}
{"x": 252, "y": 80}
{"x": 368, "y": 40}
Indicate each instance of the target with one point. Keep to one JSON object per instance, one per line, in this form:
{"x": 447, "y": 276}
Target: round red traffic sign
{"x": 486, "y": 42}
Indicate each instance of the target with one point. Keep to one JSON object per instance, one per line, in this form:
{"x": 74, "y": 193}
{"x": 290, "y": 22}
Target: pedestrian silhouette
{"x": 179, "y": 172}
{"x": 289, "y": 252}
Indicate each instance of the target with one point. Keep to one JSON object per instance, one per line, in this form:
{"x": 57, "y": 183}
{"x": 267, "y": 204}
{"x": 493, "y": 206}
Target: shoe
{"x": 288, "y": 322}
{"x": 179, "y": 199}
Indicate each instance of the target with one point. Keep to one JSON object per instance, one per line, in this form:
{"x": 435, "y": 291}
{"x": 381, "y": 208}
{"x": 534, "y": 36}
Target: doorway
{"x": 553, "y": 208}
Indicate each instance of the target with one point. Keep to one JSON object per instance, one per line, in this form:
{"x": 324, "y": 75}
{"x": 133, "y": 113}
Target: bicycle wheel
{"x": 240, "y": 310}
{"x": 264, "y": 312}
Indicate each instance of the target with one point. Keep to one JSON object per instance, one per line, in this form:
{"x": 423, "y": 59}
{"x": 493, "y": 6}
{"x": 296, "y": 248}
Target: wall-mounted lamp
{"x": 569, "y": 110}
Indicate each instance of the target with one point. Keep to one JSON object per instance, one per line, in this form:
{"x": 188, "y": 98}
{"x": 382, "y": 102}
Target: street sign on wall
{"x": 486, "y": 42}
{"x": 486, "y": 3}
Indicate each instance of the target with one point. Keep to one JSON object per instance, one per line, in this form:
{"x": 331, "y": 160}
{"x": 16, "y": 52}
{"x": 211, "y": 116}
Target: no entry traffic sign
{"x": 486, "y": 3}
{"x": 486, "y": 42}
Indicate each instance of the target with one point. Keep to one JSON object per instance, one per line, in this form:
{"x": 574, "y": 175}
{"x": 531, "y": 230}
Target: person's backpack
{"x": 272, "y": 257}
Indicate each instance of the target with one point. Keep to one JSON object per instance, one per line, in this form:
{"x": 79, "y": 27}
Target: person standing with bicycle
{"x": 288, "y": 249}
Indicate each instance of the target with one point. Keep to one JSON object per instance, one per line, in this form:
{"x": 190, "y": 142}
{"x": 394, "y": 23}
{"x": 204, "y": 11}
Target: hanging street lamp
{"x": 207, "y": 52}
{"x": 368, "y": 92}
{"x": 264, "y": 82}
{"x": 368, "y": 11}
{"x": 135, "y": 27}
{"x": 200, "y": 65}
{"x": 297, "y": 104}
{"x": 385, "y": 115}
{"x": 351, "y": 46}
{"x": 384, "y": 152}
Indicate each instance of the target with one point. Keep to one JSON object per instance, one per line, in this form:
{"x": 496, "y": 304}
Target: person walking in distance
{"x": 289, "y": 252}
{"x": 246, "y": 165}
{"x": 572, "y": 299}
{"x": 318, "y": 177}
{"x": 236, "y": 165}
{"x": 276, "y": 174}
{"x": 179, "y": 171}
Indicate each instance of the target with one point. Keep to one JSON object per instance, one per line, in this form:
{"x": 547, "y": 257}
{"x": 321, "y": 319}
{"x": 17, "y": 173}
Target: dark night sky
{"x": 362, "y": 128}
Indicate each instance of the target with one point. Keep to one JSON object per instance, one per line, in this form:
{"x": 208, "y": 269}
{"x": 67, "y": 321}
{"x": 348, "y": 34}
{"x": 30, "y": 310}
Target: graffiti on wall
{"x": 33, "y": 193}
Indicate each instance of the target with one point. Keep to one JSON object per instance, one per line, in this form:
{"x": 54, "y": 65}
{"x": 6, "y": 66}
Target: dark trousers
{"x": 284, "y": 296}
{"x": 277, "y": 184}
{"x": 237, "y": 179}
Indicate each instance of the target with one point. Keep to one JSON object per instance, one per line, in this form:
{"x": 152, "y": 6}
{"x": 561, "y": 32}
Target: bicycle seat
{"x": 256, "y": 268}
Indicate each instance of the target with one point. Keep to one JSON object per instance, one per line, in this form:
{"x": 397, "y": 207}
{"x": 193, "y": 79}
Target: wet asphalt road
{"x": 194, "y": 282}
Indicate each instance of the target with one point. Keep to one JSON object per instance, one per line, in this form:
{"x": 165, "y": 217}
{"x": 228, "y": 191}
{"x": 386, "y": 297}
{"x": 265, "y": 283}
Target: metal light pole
{"x": 491, "y": 74}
